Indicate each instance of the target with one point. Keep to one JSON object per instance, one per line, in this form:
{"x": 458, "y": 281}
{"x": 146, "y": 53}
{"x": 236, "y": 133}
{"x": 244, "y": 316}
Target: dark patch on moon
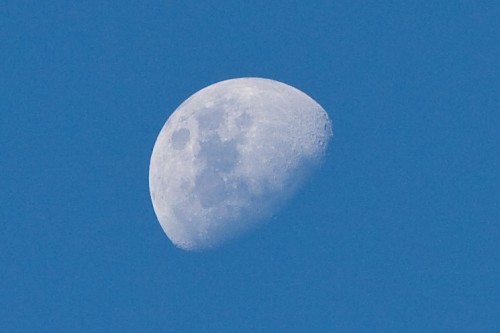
{"x": 211, "y": 188}
{"x": 180, "y": 138}
{"x": 210, "y": 119}
{"x": 219, "y": 156}
{"x": 244, "y": 121}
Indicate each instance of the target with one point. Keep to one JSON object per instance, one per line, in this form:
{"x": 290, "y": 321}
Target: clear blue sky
{"x": 400, "y": 231}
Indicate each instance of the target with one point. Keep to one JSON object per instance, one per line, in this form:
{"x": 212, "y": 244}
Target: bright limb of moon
{"x": 230, "y": 156}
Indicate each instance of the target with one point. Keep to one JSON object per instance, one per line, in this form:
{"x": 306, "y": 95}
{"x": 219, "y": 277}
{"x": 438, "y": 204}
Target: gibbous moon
{"x": 230, "y": 156}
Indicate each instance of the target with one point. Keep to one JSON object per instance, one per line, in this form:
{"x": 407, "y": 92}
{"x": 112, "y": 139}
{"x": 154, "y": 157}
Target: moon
{"x": 230, "y": 156}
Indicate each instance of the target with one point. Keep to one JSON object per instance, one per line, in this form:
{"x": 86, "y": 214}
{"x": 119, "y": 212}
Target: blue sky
{"x": 399, "y": 232}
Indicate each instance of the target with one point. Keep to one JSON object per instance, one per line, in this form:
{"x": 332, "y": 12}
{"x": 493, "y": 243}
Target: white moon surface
{"x": 230, "y": 156}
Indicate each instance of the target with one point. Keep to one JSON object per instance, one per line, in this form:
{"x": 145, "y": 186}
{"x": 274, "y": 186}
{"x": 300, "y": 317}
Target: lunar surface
{"x": 230, "y": 156}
